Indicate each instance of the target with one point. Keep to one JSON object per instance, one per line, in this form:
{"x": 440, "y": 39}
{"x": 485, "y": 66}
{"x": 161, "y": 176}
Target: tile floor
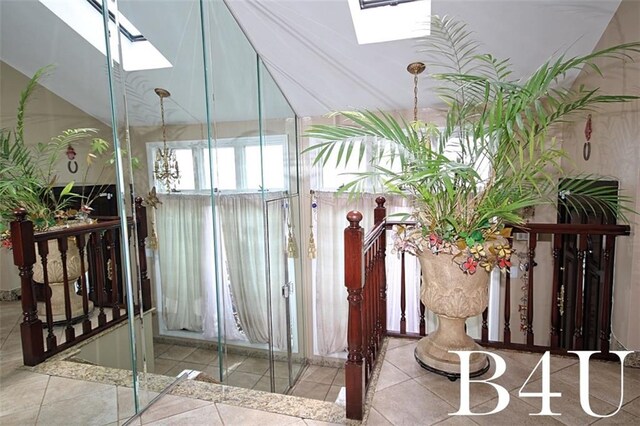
{"x": 405, "y": 394}
{"x": 316, "y": 382}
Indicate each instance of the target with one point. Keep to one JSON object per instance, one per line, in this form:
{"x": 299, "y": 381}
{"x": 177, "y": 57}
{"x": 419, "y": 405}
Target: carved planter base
{"x": 453, "y": 296}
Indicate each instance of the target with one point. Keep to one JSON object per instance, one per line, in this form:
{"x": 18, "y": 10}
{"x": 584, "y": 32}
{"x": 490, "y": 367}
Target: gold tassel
{"x": 153, "y": 238}
{"x": 312, "y": 251}
{"x": 292, "y": 246}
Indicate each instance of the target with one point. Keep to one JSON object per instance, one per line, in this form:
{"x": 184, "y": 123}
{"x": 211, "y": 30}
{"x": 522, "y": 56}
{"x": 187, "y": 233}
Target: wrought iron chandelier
{"x": 165, "y": 167}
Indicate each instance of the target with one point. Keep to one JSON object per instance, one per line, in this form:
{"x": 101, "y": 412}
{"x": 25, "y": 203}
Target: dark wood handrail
{"x": 99, "y": 269}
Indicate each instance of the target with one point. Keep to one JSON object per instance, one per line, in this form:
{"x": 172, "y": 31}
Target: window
{"x": 85, "y": 18}
{"x": 235, "y": 164}
{"x": 402, "y": 19}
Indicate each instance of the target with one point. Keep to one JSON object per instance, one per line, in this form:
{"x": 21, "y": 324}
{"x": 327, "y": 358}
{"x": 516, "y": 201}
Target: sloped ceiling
{"x": 309, "y": 46}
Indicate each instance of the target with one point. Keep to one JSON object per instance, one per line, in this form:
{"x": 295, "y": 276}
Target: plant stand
{"x": 453, "y": 296}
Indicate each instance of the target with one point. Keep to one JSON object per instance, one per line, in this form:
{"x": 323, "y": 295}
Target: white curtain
{"x": 331, "y": 307}
{"x": 181, "y": 234}
{"x": 243, "y": 233}
{"x": 187, "y": 267}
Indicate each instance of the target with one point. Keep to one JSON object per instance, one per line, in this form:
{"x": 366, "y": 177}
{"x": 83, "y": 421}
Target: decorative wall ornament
{"x": 586, "y": 149}
{"x": 72, "y": 165}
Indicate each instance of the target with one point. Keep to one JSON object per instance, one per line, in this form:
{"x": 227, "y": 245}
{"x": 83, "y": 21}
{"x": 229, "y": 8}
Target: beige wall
{"x": 615, "y": 152}
{"x": 47, "y": 115}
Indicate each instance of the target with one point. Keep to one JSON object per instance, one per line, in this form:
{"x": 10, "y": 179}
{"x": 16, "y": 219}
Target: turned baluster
{"x": 24, "y": 257}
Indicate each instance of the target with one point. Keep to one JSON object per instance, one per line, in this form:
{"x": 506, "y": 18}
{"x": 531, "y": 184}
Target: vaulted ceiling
{"x": 309, "y": 46}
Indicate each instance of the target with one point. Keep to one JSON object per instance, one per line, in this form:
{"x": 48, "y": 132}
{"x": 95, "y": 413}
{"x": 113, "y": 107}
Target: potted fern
{"x": 470, "y": 177}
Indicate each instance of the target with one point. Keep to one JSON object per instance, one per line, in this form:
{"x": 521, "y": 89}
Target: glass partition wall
{"x": 178, "y": 91}
{"x": 226, "y": 262}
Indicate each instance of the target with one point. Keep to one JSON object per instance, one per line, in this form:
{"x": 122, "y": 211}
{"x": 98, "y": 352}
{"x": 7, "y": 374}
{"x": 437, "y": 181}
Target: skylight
{"x": 85, "y": 18}
{"x": 380, "y": 20}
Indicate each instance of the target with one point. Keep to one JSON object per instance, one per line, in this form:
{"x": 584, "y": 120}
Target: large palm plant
{"x": 494, "y": 155}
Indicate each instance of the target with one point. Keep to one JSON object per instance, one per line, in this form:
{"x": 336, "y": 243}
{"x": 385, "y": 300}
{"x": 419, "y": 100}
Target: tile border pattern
{"x": 10, "y": 295}
{"x": 632, "y": 360}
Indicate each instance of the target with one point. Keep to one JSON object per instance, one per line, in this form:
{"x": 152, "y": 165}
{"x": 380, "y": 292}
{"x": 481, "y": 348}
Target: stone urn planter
{"x": 57, "y": 283}
{"x": 453, "y": 296}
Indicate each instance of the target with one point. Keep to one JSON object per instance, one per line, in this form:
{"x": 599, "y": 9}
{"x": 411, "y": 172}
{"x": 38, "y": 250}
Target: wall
{"x": 615, "y": 144}
{"x": 47, "y": 115}
{"x": 112, "y": 348}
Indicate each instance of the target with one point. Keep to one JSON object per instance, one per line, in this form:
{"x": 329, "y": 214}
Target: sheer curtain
{"x": 187, "y": 267}
{"x": 243, "y": 233}
{"x": 331, "y": 305}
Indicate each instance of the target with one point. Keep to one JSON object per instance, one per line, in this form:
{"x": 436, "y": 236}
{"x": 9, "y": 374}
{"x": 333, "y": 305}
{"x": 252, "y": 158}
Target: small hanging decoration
{"x": 312, "y": 250}
{"x": 153, "y": 238}
{"x": 72, "y": 165}
{"x": 152, "y": 200}
{"x": 524, "y": 300}
{"x": 586, "y": 149}
{"x": 292, "y": 245}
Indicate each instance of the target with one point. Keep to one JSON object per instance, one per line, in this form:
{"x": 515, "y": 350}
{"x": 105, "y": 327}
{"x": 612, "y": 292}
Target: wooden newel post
{"x": 24, "y": 257}
{"x": 380, "y": 215}
{"x": 353, "y": 280}
{"x": 142, "y": 233}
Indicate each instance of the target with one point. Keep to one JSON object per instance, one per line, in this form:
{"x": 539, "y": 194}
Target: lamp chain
{"x": 415, "y": 68}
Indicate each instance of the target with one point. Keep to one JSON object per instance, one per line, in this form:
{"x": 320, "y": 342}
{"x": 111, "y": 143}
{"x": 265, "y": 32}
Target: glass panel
{"x": 279, "y": 160}
{"x": 73, "y": 92}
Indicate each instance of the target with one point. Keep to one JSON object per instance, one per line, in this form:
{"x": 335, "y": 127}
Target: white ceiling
{"x": 308, "y": 45}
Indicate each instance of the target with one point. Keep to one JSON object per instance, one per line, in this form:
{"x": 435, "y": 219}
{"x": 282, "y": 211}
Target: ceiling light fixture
{"x": 166, "y": 165}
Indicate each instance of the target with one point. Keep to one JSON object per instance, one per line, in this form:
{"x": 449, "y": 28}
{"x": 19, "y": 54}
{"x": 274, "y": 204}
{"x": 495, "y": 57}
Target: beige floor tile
{"x": 254, "y": 365}
{"x": 202, "y": 356}
{"x": 633, "y": 407}
{"x": 126, "y": 403}
{"x": 177, "y": 352}
{"x": 160, "y": 348}
{"x": 184, "y": 365}
{"x": 568, "y": 404}
{"x": 311, "y": 390}
{"x": 232, "y": 361}
{"x": 232, "y": 415}
{"x": 25, "y": 416}
{"x": 450, "y": 391}
{"x": 332, "y": 395}
{"x": 390, "y": 375}
{"x": 319, "y": 374}
{"x": 419, "y": 406}
{"x": 242, "y": 379}
{"x": 339, "y": 379}
{"x": 61, "y": 388}
{"x": 207, "y": 415}
{"x": 23, "y": 390}
{"x": 162, "y": 366}
{"x": 395, "y": 342}
{"x": 402, "y": 357}
{"x": 264, "y": 384}
{"x": 604, "y": 382}
{"x": 517, "y": 412}
{"x": 459, "y": 421}
{"x": 621, "y": 418}
{"x": 377, "y": 419}
{"x": 96, "y": 408}
{"x": 170, "y": 405}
